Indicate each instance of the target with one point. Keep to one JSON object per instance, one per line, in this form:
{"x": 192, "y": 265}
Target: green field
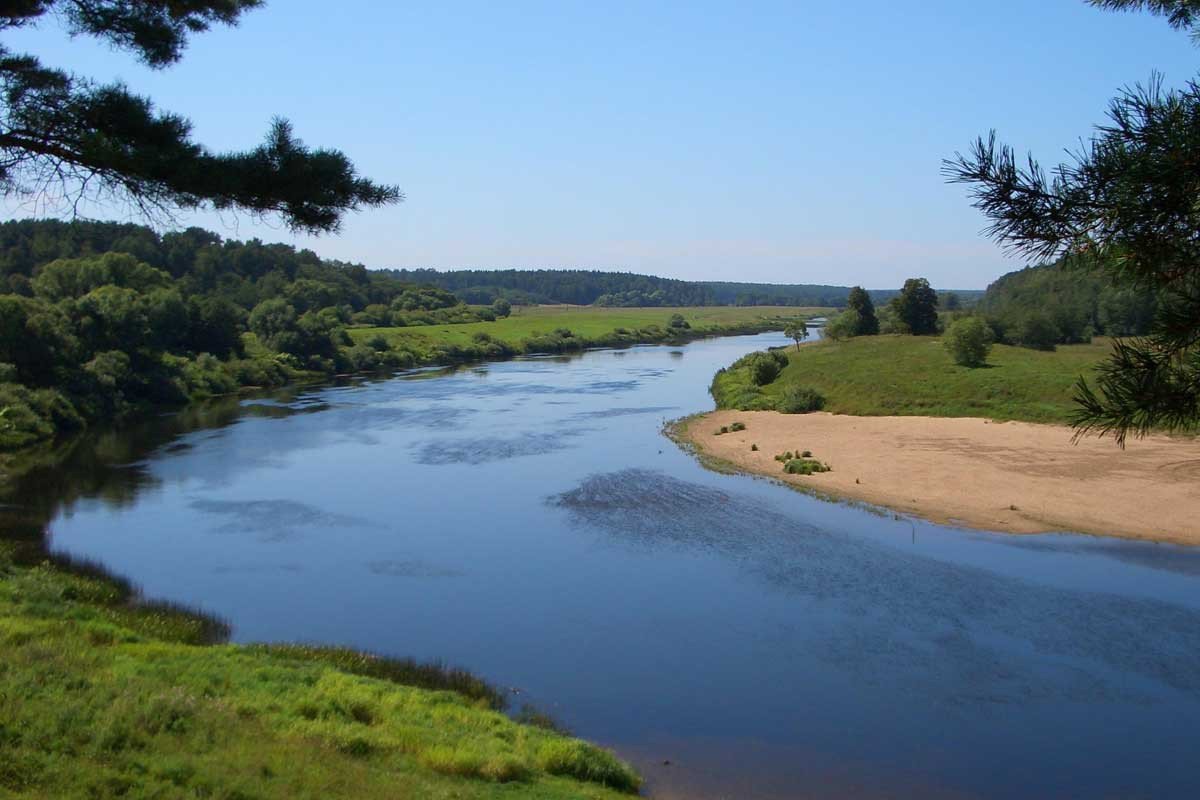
{"x": 103, "y": 698}
{"x": 590, "y": 326}
{"x": 913, "y": 375}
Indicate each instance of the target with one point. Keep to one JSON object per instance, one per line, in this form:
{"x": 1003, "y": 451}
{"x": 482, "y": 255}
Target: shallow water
{"x": 527, "y": 520}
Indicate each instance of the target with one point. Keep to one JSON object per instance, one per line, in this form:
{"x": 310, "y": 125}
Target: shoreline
{"x": 1009, "y": 477}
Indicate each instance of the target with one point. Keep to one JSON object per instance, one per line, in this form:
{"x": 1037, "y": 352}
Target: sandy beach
{"x": 1003, "y": 476}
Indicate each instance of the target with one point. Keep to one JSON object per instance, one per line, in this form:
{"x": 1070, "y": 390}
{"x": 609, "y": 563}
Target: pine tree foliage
{"x": 65, "y": 138}
{"x": 1126, "y": 203}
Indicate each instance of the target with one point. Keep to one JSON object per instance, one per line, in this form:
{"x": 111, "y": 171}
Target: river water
{"x": 528, "y": 521}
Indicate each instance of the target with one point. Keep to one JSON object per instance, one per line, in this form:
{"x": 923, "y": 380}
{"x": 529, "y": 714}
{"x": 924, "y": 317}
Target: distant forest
{"x": 627, "y": 289}
{"x": 1052, "y": 304}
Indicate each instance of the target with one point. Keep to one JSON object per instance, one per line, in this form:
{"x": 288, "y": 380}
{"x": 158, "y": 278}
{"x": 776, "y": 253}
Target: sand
{"x": 1003, "y": 476}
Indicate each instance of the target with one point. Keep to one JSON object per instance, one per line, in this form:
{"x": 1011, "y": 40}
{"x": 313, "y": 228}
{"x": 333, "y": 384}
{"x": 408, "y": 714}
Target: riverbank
{"x": 913, "y": 375}
{"x": 103, "y": 695}
{"x": 1012, "y": 476}
{"x": 531, "y": 330}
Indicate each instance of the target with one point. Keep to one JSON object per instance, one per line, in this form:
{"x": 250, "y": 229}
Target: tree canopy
{"x": 860, "y": 301}
{"x": 916, "y": 307}
{"x": 65, "y": 138}
{"x": 1127, "y": 203}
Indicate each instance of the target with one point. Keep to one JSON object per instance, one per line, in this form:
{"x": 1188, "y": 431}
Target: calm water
{"x": 528, "y": 521}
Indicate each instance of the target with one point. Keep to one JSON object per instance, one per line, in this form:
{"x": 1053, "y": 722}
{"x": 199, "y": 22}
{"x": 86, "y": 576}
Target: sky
{"x": 783, "y": 142}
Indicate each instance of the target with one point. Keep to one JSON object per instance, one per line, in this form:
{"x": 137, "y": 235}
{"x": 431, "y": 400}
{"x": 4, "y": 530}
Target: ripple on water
{"x": 961, "y": 635}
{"x": 484, "y": 449}
{"x": 272, "y": 520}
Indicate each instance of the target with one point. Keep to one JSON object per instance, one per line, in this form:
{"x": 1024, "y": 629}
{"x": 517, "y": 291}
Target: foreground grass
{"x": 913, "y": 375}
{"x": 101, "y": 697}
{"x": 533, "y": 329}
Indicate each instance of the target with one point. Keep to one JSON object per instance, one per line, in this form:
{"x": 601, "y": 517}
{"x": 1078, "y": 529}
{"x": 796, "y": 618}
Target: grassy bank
{"x": 913, "y": 375}
{"x": 102, "y": 696}
{"x": 556, "y": 329}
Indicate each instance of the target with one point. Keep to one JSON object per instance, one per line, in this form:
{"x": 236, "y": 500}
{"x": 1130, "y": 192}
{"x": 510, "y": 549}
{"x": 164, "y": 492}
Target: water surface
{"x": 527, "y": 520}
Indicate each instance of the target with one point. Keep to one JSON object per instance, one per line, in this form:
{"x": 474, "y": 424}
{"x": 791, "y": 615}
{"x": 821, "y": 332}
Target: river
{"x": 730, "y": 636}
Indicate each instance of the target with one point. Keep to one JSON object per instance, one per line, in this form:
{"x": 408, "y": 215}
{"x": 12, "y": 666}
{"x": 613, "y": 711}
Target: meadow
{"x": 532, "y": 329}
{"x": 103, "y": 696}
{"x": 913, "y": 375}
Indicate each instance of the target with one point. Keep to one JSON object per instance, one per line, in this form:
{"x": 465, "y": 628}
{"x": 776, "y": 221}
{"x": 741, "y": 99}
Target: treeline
{"x": 99, "y": 319}
{"x": 1048, "y": 305}
{"x": 626, "y": 289}
{"x": 571, "y": 286}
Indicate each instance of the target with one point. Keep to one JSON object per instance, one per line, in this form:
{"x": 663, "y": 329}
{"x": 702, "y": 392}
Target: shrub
{"x": 737, "y": 426}
{"x": 677, "y": 322}
{"x": 805, "y": 466}
{"x": 968, "y": 341}
{"x": 799, "y": 400}
{"x": 764, "y": 370}
{"x": 844, "y": 326}
{"x": 1038, "y": 332}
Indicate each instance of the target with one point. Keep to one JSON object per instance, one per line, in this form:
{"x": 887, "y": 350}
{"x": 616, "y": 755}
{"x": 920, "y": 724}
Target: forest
{"x": 99, "y": 319}
{"x": 629, "y": 290}
{"x": 1052, "y": 304}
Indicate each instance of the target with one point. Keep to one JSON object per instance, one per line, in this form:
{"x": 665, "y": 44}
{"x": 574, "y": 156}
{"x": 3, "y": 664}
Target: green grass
{"x": 590, "y": 325}
{"x": 913, "y": 375}
{"x": 101, "y": 697}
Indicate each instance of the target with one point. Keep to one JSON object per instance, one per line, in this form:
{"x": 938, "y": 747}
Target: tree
{"x": 916, "y": 307}
{"x": 1128, "y": 204}
{"x": 844, "y": 326}
{"x": 796, "y": 330}
{"x": 868, "y": 323}
{"x": 63, "y": 135}
{"x": 968, "y": 341}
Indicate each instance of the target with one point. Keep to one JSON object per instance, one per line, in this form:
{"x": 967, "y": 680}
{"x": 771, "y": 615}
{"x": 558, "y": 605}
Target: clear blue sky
{"x": 770, "y": 141}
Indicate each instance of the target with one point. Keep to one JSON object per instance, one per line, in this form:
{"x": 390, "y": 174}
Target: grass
{"x": 104, "y": 697}
{"x": 913, "y": 375}
{"x": 589, "y": 326}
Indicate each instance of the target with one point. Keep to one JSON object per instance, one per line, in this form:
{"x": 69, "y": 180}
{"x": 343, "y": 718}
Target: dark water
{"x": 527, "y": 520}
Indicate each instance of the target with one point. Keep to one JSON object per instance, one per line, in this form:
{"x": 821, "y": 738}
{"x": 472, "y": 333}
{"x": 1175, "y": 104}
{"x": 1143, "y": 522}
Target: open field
{"x": 589, "y": 324}
{"x": 913, "y": 375}
{"x": 101, "y": 697}
{"x": 1013, "y": 476}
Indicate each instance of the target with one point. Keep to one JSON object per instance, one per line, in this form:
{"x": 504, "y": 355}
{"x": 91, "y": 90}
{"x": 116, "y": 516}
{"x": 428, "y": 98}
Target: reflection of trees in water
{"x": 960, "y": 634}
{"x": 103, "y": 465}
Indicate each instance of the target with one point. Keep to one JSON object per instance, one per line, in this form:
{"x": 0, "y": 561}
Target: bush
{"x": 1038, "y": 332}
{"x": 765, "y": 368}
{"x": 28, "y": 415}
{"x": 799, "y": 400}
{"x": 805, "y": 466}
{"x": 677, "y": 322}
{"x": 968, "y": 341}
{"x": 844, "y": 326}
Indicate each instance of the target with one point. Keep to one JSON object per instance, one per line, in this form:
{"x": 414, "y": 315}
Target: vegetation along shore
{"x": 901, "y": 425}
{"x": 103, "y": 695}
